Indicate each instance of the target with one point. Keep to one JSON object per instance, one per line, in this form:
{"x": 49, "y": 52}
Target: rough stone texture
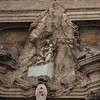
{"x": 87, "y": 75}
{"x": 84, "y": 29}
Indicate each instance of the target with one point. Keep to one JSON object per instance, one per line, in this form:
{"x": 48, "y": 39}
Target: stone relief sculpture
{"x": 53, "y": 39}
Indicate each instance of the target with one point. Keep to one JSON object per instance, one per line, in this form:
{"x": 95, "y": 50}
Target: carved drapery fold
{"x": 53, "y": 39}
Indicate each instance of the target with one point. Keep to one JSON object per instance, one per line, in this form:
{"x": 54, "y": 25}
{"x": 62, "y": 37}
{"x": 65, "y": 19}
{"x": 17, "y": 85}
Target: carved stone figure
{"x": 53, "y": 39}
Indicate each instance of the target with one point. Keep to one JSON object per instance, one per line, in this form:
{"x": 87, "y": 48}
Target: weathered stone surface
{"x": 52, "y": 38}
{"x": 28, "y": 10}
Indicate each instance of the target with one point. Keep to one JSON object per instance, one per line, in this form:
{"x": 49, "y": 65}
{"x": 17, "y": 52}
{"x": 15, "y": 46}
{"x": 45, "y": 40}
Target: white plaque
{"x": 47, "y": 69}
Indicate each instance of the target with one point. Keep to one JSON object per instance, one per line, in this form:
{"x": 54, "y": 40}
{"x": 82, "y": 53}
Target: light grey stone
{"x": 47, "y": 69}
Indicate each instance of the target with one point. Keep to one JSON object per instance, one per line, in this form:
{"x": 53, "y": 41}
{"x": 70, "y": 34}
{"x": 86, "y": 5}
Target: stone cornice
{"x": 28, "y": 10}
{"x": 76, "y": 93}
{"x": 30, "y": 15}
{"x": 18, "y": 93}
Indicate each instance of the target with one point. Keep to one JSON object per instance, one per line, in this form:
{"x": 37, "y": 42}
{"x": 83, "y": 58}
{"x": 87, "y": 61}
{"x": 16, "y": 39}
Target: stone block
{"x": 47, "y": 69}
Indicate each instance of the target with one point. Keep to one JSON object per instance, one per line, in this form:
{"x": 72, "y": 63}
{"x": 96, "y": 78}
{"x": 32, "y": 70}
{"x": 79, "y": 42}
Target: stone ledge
{"x": 76, "y": 93}
{"x": 28, "y": 10}
{"x": 18, "y": 93}
{"x": 31, "y": 15}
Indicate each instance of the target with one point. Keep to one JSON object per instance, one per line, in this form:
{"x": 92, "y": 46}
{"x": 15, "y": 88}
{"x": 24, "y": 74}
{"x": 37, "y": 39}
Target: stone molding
{"x": 31, "y": 15}
{"x": 29, "y": 10}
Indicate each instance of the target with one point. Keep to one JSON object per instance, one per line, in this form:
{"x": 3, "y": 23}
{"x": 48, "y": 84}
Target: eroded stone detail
{"x": 53, "y": 39}
{"x": 93, "y": 95}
